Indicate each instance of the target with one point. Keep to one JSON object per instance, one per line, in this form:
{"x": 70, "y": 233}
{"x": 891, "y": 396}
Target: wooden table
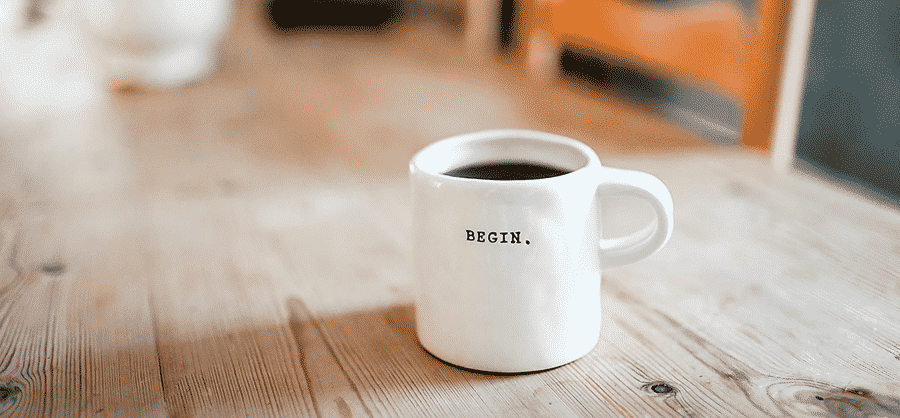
{"x": 775, "y": 297}
{"x": 270, "y": 276}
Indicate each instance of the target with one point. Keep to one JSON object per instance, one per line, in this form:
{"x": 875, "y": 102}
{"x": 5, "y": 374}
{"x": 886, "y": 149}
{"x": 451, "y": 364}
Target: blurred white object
{"x": 66, "y": 175}
{"x": 161, "y": 43}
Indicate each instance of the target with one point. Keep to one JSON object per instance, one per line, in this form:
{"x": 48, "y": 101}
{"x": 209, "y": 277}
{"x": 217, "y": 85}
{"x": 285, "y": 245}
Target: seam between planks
{"x": 296, "y": 308}
{"x": 295, "y": 325}
{"x": 159, "y": 363}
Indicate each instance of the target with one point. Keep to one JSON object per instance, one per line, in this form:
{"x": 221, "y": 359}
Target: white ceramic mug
{"x": 508, "y": 271}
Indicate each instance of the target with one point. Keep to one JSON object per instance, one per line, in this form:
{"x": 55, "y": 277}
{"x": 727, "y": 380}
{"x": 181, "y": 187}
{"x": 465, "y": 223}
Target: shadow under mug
{"x": 507, "y": 272}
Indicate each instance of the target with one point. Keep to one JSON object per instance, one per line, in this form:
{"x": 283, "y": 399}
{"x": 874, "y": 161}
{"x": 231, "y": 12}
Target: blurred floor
{"x": 313, "y": 102}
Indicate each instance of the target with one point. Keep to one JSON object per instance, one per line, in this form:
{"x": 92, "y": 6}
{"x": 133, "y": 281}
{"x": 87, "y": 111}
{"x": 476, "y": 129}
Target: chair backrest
{"x": 705, "y": 44}
{"x": 718, "y": 45}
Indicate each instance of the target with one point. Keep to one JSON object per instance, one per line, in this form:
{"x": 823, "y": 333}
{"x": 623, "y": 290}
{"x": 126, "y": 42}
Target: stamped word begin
{"x": 494, "y": 237}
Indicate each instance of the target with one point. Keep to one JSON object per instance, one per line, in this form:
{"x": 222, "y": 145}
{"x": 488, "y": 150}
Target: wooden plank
{"x": 763, "y": 393}
{"x": 638, "y": 370}
{"x": 795, "y": 283}
{"x": 79, "y": 341}
{"x": 333, "y": 393}
{"x": 224, "y": 347}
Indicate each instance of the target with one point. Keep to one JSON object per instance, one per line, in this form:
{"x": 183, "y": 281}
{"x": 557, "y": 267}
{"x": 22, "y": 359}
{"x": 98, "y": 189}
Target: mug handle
{"x": 645, "y": 242}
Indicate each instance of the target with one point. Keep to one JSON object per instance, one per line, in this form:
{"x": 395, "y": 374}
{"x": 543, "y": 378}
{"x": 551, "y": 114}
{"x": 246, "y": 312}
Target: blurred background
{"x": 684, "y": 59}
{"x": 381, "y": 78}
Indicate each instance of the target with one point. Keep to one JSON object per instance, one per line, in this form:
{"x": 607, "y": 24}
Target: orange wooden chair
{"x": 712, "y": 44}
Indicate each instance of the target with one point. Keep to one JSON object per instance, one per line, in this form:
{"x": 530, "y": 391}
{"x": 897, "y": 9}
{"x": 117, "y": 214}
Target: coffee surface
{"x": 503, "y": 170}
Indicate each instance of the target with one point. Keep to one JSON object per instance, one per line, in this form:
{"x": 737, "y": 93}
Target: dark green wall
{"x": 850, "y": 119}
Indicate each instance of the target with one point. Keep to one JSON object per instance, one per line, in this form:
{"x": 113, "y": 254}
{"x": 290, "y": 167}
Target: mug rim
{"x": 416, "y": 164}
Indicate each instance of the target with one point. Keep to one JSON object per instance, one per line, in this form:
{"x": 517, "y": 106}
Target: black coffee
{"x": 502, "y": 170}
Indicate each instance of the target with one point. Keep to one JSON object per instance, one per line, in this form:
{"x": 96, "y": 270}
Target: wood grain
{"x": 235, "y": 355}
{"x": 79, "y": 341}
